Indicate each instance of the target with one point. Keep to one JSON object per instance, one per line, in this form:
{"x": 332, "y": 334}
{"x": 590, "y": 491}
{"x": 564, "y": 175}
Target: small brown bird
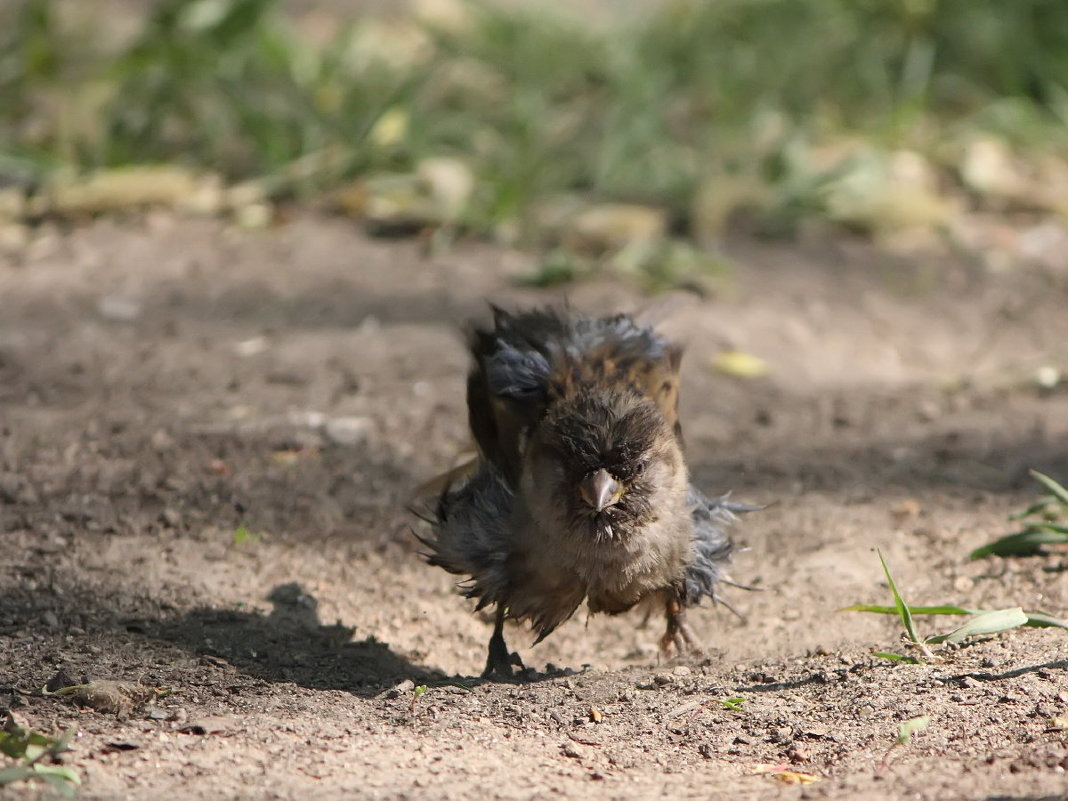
{"x": 580, "y": 492}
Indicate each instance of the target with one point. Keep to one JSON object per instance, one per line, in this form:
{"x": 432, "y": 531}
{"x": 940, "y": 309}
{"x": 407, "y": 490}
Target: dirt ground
{"x": 166, "y": 384}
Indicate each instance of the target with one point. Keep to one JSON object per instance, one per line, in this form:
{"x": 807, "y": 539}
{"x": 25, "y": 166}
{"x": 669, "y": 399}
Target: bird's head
{"x": 603, "y": 461}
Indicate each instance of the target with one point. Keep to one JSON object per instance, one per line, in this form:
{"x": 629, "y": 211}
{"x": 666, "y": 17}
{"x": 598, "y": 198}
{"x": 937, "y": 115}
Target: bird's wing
{"x": 508, "y": 383}
{"x": 470, "y": 538}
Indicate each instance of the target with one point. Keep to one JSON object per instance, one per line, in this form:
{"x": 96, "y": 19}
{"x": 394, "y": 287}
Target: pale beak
{"x": 600, "y": 490}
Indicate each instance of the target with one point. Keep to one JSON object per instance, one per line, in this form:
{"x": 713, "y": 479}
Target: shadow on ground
{"x": 291, "y": 644}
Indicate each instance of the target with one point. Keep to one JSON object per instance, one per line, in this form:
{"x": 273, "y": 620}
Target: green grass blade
{"x": 910, "y": 727}
{"x": 1043, "y": 620}
{"x": 1056, "y": 529}
{"x": 908, "y": 660}
{"x": 899, "y": 603}
{"x": 986, "y": 623}
{"x": 15, "y": 773}
{"x": 1052, "y": 487}
{"x": 1036, "y": 620}
{"x": 1033, "y": 509}
{"x": 1023, "y": 543}
{"x": 946, "y": 609}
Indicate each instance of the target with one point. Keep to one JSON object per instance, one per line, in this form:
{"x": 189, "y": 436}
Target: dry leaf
{"x": 740, "y": 365}
{"x": 794, "y": 777}
{"x": 611, "y": 226}
{"x": 781, "y": 772}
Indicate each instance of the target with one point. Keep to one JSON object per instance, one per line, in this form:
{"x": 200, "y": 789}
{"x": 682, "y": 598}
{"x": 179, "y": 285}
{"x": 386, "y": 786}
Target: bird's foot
{"x": 500, "y": 663}
{"x": 679, "y": 635}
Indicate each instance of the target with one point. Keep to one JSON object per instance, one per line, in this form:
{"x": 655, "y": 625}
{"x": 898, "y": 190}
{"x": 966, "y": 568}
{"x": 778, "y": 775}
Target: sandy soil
{"x": 166, "y": 383}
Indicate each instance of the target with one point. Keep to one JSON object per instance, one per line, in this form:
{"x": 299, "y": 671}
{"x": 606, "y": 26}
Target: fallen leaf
{"x": 794, "y": 777}
{"x": 611, "y": 226}
{"x": 781, "y": 772}
{"x": 740, "y": 365}
{"x": 127, "y": 187}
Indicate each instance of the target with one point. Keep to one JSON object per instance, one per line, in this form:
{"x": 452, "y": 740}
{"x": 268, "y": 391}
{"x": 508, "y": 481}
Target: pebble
{"x": 403, "y": 688}
{"x": 570, "y": 749}
{"x": 347, "y": 430}
{"x": 119, "y": 309}
{"x": 14, "y": 490}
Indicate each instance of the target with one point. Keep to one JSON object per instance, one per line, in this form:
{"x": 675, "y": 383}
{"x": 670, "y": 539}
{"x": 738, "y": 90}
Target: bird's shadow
{"x": 291, "y": 644}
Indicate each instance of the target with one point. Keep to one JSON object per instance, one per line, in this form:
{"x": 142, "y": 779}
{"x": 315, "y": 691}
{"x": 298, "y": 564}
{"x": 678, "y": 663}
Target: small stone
{"x": 49, "y": 619}
{"x": 348, "y": 430}
{"x": 250, "y": 347}
{"x": 119, "y": 309}
{"x": 783, "y": 734}
{"x": 1048, "y": 377}
{"x": 405, "y": 687}
{"x": 663, "y": 679}
{"x": 161, "y": 440}
{"x": 682, "y": 670}
{"x": 9, "y": 488}
{"x": 60, "y": 680}
{"x": 571, "y": 750}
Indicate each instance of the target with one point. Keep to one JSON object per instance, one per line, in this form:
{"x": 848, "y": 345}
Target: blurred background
{"x": 620, "y": 136}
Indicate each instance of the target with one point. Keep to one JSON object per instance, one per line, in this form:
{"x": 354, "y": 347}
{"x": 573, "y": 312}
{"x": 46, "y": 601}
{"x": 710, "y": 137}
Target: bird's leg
{"x": 679, "y": 633}
{"x": 499, "y": 662}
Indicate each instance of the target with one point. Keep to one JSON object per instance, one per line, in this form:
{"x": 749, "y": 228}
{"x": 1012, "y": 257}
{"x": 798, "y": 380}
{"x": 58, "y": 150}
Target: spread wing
{"x": 525, "y": 359}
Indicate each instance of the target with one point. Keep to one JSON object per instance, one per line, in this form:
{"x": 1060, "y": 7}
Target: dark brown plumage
{"x": 581, "y": 491}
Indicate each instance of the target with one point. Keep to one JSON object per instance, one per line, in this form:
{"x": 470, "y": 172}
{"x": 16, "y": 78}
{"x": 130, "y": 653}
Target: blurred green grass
{"x": 733, "y": 93}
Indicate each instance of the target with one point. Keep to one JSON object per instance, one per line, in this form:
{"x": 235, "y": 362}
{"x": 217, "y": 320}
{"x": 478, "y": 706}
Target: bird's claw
{"x": 501, "y": 666}
{"x": 500, "y": 662}
{"x": 679, "y": 634}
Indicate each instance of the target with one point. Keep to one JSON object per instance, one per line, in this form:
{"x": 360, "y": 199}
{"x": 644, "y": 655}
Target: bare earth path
{"x": 163, "y": 383}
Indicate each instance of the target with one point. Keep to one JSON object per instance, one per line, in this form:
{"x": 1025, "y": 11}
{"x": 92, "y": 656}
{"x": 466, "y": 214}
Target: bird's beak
{"x": 600, "y": 490}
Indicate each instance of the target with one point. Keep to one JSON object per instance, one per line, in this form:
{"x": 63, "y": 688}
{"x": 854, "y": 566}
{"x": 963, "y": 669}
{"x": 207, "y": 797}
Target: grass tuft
{"x": 1046, "y": 523}
{"x": 983, "y": 622}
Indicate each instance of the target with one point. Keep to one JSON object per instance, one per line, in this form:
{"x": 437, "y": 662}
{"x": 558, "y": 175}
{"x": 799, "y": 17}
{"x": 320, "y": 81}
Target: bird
{"x": 580, "y": 490}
